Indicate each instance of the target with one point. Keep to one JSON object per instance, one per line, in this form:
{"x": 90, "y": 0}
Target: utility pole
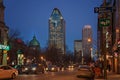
{"x": 104, "y": 24}
{"x": 104, "y": 44}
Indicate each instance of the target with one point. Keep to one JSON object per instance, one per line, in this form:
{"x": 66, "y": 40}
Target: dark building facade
{"x": 3, "y": 35}
{"x": 116, "y": 18}
{"x": 57, "y": 31}
{"x": 106, "y": 32}
{"x": 108, "y": 35}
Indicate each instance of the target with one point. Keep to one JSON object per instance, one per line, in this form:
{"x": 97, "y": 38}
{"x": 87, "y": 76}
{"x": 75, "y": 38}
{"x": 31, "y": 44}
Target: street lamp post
{"x": 104, "y": 23}
{"x": 89, "y": 40}
{"x": 93, "y": 46}
{"x": 104, "y": 29}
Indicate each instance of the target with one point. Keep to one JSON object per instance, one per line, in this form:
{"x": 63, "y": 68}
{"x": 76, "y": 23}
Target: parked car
{"x": 85, "y": 71}
{"x": 8, "y": 72}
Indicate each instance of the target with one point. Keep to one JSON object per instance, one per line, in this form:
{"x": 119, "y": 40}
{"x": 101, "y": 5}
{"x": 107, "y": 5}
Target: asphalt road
{"x": 62, "y": 75}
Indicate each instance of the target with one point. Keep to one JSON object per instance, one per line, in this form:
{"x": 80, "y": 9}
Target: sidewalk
{"x": 110, "y": 76}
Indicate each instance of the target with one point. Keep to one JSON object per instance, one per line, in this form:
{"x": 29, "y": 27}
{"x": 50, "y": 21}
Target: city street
{"x": 63, "y": 75}
{"x": 52, "y": 41}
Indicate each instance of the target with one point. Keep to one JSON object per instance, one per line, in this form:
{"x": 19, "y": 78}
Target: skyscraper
{"x": 57, "y": 30}
{"x": 87, "y": 42}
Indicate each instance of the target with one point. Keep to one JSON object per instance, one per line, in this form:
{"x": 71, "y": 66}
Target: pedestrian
{"x": 109, "y": 66}
{"x": 101, "y": 67}
{"x": 97, "y": 71}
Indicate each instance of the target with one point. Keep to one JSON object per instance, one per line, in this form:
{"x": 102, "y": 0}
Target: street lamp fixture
{"x": 89, "y": 40}
{"x": 41, "y": 58}
{"x": 117, "y": 30}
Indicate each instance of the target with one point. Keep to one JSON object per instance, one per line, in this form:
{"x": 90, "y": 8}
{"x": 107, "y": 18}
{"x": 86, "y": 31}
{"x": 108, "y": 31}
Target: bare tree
{"x": 13, "y": 34}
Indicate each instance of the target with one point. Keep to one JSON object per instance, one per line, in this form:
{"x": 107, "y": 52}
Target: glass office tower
{"x": 57, "y": 30}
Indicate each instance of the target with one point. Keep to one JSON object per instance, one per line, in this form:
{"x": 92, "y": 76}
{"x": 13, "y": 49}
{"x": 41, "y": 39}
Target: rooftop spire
{"x": 56, "y": 14}
{"x": 57, "y": 11}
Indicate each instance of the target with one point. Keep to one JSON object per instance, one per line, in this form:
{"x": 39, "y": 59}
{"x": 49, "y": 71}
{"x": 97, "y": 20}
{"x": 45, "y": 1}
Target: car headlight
{"x": 26, "y": 69}
{"x": 46, "y": 69}
{"x": 34, "y": 68}
{"x": 72, "y": 66}
{"x": 53, "y": 68}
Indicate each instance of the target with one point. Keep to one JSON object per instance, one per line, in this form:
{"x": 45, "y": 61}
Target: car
{"x": 22, "y": 69}
{"x": 30, "y": 69}
{"x": 71, "y": 67}
{"x": 84, "y": 71}
{"x": 52, "y": 68}
{"x": 36, "y": 68}
{"x": 8, "y": 72}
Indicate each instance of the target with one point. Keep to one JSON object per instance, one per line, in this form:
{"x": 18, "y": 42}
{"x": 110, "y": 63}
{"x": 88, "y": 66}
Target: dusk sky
{"x": 30, "y": 17}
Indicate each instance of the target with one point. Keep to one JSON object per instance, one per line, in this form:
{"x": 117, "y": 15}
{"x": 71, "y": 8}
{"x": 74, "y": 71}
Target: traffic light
{"x": 118, "y": 44}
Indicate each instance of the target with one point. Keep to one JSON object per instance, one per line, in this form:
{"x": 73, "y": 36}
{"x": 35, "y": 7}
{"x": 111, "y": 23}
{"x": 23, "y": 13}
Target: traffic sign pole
{"x": 104, "y": 47}
{"x": 103, "y": 9}
{"x": 104, "y": 24}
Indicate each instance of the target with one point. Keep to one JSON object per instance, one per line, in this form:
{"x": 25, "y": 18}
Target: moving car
{"x": 30, "y": 69}
{"x": 52, "y": 68}
{"x": 71, "y": 67}
{"x": 22, "y": 69}
{"x": 36, "y": 68}
{"x": 85, "y": 71}
{"x": 7, "y": 72}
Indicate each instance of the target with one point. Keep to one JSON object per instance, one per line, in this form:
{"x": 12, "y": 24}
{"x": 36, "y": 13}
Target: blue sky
{"x": 30, "y": 17}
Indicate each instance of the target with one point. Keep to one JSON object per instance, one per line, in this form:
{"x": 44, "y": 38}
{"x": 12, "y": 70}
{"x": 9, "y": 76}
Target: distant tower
{"x": 34, "y": 46}
{"x": 34, "y": 43}
{"x": 87, "y": 42}
{"x": 3, "y": 35}
{"x": 57, "y": 30}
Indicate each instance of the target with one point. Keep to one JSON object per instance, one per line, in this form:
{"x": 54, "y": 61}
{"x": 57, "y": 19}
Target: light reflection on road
{"x": 50, "y": 76}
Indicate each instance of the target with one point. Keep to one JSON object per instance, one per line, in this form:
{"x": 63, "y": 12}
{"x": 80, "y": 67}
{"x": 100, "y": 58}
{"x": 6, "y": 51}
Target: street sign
{"x": 103, "y": 9}
{"x": 4, "y": 47}
{"x": 104, "y": 22}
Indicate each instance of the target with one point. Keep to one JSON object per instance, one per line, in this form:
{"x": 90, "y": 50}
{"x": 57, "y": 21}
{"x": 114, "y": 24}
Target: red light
{"x": 118, "y": 42}
{"x": 116, "y": 54}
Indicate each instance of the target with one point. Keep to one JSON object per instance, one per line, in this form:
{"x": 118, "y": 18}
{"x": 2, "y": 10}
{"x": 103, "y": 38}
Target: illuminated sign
{"x": 4, "y": 47}
{"x": 104, "y": 22}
